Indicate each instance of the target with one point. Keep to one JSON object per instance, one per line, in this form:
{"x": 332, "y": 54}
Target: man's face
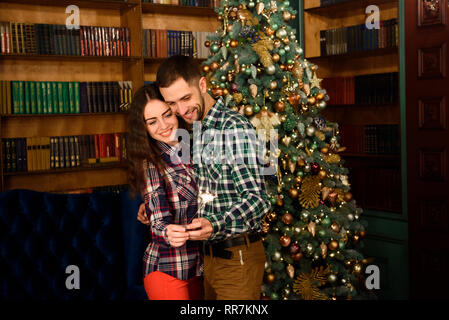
{"x": 185, "y": 99}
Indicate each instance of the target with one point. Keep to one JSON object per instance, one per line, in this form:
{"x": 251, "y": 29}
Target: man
{"x": 234, "y": 257}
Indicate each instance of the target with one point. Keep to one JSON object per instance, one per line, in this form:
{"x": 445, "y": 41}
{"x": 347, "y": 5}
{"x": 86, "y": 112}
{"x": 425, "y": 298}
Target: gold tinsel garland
{"x": 307, "y": 285}
{"x": 310, "y": 192}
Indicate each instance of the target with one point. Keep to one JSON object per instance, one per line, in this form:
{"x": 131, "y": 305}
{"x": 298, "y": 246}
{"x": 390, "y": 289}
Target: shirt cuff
{"x": 218, "y": 225}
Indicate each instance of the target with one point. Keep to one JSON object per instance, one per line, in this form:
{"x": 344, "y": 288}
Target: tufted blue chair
{"x": 42, "y": 233}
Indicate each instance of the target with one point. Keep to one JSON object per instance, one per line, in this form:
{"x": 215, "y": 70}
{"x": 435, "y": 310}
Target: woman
{"x": 172, "y": 265}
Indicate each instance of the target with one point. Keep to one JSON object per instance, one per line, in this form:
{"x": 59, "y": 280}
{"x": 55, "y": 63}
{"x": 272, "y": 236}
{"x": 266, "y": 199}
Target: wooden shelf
{"x": 383, "y": 105}
{"x": 312, "y": 6}
{"x": 65, "y": 170}
{"x": 67, "y": 57}
{"x": 47, "y": 181}
{"x": 95, "y": 4}
{"x": 353, "y": 55}
{"x": 371, "y": 156}
{"x": 63, "y": 125}
{"x": 177, "y": 10}
{"x": 25, "y": 116}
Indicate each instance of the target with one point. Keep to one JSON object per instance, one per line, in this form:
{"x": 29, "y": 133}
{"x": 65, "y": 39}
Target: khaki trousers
{"x": 239, "y": 278}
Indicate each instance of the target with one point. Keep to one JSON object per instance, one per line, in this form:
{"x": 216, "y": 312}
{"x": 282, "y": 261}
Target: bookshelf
{"x": 132, "y": 14}
{"x": 356, "y": 119}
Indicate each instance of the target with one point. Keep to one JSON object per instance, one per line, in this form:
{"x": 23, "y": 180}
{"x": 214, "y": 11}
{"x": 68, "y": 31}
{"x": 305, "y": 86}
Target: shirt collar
{"x": 170, "y": 150}
{"x": 212, "y": 116}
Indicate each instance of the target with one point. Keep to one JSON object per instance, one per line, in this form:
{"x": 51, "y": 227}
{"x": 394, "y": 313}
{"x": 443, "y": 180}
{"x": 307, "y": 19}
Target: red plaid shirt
{"x": 174, "y": 202}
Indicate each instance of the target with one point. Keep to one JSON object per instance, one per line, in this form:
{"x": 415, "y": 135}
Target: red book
{"x": 109, "y": 145}
{"x": 3, "y": 35}
{"x": 97, "y": 42}
{"x": 91, "y": 41}
{"x": 117, "y": 146}
{"x": 128, "y": 46}
{"x": 102, "y": 145}
{"x": 121, "y": 37}
{"x": 97, "y": 146}
{"x": 100, "y": 40}
{"x": 8, "y": 39}
{"x": 82, "y": 40}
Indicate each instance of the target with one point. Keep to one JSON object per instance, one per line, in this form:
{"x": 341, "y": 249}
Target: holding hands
{"x": 198, "y": 229}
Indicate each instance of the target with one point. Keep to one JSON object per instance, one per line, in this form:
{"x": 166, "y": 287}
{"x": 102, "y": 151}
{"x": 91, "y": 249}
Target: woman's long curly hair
{"x": 141, "y": 146}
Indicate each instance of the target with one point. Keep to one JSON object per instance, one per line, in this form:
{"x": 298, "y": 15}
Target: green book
{"x": 33, "y": 97}
{"x": 77, "y": 97}
{"x": 27, "y": 97}
{"x": 60, "y": 98}
{"x": 71, "y": 97}
{"x": 8, "y": 97}
{"x": 21, "y": 97}
{"x": 43, "y": 86}
{"x": 54, "y": 94}
{"x": 15, "y": 96}
{"x": 65, "y": 87}
{"x": 50, "y": 108}
{"x": 38, "y": 98}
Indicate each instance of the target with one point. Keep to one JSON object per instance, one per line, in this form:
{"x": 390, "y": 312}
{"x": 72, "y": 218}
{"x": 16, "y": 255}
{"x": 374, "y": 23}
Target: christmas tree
{"x": 312, "y": 233}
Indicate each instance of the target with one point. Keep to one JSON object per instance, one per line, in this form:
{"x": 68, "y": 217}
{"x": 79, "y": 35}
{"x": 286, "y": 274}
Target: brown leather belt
{"x": 217, "y": 249}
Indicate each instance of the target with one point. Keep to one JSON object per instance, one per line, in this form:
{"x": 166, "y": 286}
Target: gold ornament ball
{"x": 324, "y": 150}
{"x": 248, "y": 111}
{"x": 206, "y": 69}
{"x": 229, "y": 28}
{"x": 207, "y": 43}
{"x": 225, "y": 91}
{"x": 286, "y": 16}
{"x": 298, "y": 180}
{"x": 293, "y": 193}
{"x": 319, "y": 96}
{"x": 322, "y": 174}
{"x": 282, "y": 66}
{"x": 347, "y": 197}
{"x": 285, "y": 240}
{"x": 276, "y": 57}
{"x": 234, "y": 43}
{"x": 287, "y": 218}
{"x": 284, "y": 80}
{"x": 286, "y": 40}
{"x": 335, "y": 227}
{"x": 279, "y": 106}
{"x": 269, "y": 32}
{"x": 214, "y": 66}
{"x": 273, "y": 85}
{"x": 270, "y": 278}
{"x": 311, "y": 100}
{"x": 333, "y": 245}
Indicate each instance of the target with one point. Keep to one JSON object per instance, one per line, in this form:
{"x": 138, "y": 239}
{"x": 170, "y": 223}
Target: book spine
{"x": 43, "y": 86}
{"x": 50, "y": 107}
{"x": 27, "y": 97}
{"x": 71, "y": 97}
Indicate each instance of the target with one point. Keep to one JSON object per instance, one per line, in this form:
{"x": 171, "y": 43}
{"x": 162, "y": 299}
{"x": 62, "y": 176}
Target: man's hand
{"x": 177, "y": 235}
{"x": 204, "y": 226}
{"x": 141, "y": 216}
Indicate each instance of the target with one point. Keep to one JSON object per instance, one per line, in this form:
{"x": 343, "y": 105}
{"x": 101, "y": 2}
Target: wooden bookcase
{"x": 370, "y": 193}
{"x": 132, "y": 14}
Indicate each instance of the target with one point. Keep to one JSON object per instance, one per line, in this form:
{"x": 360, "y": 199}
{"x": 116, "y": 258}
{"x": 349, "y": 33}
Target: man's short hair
{"x": 177, "y": 67}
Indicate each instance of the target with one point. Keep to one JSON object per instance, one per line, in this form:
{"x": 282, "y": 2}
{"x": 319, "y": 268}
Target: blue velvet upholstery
{"x": 42, "y": 233}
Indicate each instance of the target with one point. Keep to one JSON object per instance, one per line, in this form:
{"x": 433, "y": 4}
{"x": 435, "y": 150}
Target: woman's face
{"x": 160, "y": 121}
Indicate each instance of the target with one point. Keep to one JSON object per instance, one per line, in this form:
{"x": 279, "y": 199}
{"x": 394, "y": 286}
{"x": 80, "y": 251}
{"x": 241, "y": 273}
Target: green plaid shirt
{"x": 228, "y": 167}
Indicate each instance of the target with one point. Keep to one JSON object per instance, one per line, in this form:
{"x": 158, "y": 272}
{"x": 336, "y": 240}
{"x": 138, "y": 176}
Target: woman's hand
{"x": 177, "y": 235}
{"x": 141, "y": 216}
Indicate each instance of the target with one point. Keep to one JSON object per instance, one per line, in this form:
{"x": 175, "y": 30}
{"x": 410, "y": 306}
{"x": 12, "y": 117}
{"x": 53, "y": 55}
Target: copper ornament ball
{"x": 279, "y": 106}
{"x": 287, "y": 218}
{"x": 293, "y": 193}
{"x": 234, "y": 43}
{"x": 285, "y": 240}
{"x": 333, "y": 245}
{"x": 214, "y": 66}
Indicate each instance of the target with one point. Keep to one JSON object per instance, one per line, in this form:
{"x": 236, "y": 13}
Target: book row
{"x": 166, "y": 43}
{"x": 51, "y": 97}
{"x": 370, "y": 139}
{"x": 52, "y": 39}
{"x": 359, "y": 38}
{"x": 325, "y": 3}
{"x": 381, "y": 88}
{"x": 193, "y": 3}
{"x": 48, "y": 153}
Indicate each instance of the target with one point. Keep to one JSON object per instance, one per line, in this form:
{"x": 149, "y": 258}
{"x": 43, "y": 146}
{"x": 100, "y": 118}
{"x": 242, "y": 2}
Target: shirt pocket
{"x": 185, "y": 188}
{"x": 214, "y": 171}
